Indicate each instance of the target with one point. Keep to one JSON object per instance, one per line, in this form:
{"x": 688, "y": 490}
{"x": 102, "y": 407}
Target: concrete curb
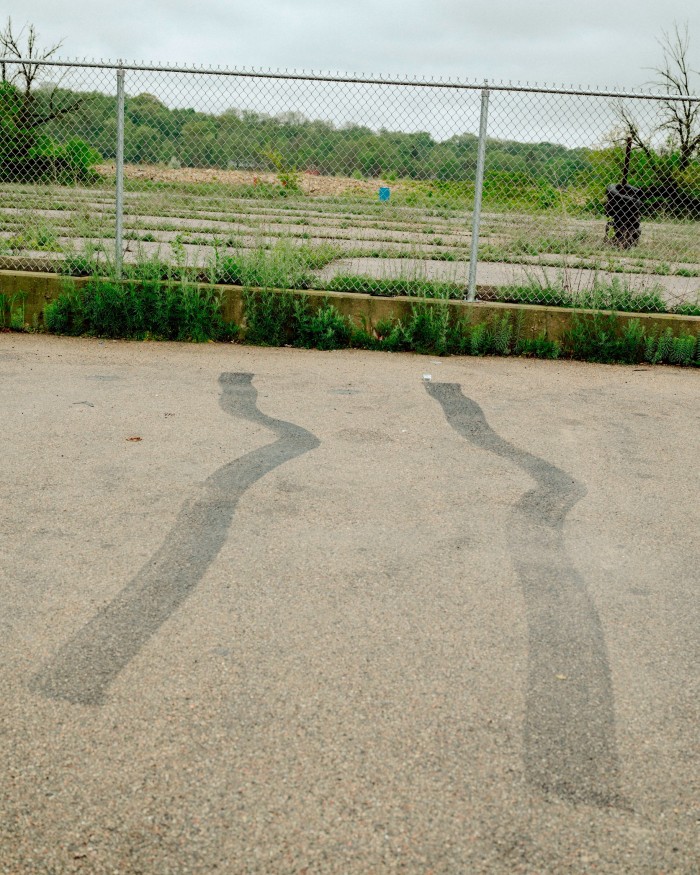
{"x": 41, "y": 288}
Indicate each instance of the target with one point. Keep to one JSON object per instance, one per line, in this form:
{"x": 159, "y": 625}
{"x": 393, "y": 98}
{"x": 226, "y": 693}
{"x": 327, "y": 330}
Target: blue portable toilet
{"x": 384, "y": 193}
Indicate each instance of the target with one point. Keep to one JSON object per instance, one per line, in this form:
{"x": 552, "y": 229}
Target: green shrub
{"x": 683, "y": 351}
{"x": 426, "y": 331}
{"x": 388, "y": 335}
{"x": 478, "y": 339}
{"x": 80, "y": 158}
{"x": 324, "y": 328}
{"x": 274, "y": 319}
{"x": 538, "y": 347}
{"x": 631, "y": 342}
{"x": 268, "y": 317}
{"x": 136, "y": 310}
{"x": 665, "y": 348}
{"x": 592, "y": 337}
{"x": 597, "y": 337}
{"x": 502, "y": 335}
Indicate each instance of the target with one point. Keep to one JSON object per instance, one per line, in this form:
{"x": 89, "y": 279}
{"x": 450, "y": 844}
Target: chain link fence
{"x": 481, "y": 191}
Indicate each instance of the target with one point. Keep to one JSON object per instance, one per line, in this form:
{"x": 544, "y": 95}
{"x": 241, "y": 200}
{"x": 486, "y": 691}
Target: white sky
{"x": 596, "y": 42}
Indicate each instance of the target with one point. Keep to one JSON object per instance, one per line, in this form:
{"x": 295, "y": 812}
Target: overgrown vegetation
{"x": 30, "y": 147}
{"x": 283, "y": 266}
{"x": 597, "y": 337}
{"x": 180, "y": 310}
{"x": 139, "y": 310}
{"x": 396, "y": 286}
{"x": 615, "y": 294}
{"x": 275, "y": 319}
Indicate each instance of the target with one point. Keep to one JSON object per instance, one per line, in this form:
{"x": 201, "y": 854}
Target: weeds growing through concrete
{"x": 612, "y": 295}
{"x": 146, "y": 307}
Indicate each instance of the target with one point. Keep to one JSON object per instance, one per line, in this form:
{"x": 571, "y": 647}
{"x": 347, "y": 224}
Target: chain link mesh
{"x": 338, "y": 184}
{"x": 55, "y": 207}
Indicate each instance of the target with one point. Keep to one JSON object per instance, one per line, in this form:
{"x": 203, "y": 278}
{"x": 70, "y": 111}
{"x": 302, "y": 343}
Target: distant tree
{"x": 682, "y": 117}
{"x": 25, "y": 76}
{"x": 25, "y": 151}
{"x": 679, "y": 121}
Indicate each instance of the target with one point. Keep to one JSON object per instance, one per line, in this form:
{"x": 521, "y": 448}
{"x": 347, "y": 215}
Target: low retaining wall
{"x": 40, "y": 288}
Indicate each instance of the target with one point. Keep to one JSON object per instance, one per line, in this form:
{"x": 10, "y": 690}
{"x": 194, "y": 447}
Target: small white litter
{"x": 427, "y": 378}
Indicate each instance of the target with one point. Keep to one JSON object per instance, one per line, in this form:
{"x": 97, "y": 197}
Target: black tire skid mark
{"x": 82, "y": 670}
{"x": 569, "y": 732}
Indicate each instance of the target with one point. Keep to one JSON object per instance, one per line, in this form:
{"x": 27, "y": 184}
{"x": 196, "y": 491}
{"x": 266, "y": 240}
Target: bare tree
{"x": 680, "y": 113}
{"x": 682, "y": 117}
{"x": 24, "y": 46}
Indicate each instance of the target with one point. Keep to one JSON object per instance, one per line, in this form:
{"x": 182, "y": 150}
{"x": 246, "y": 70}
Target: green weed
{"x": 396, "y": 287}
{"x": 138, "y": 310}
{"x": 12, "y": 314}
{"x": 597, "y": 337}
{"x": 687, "y": 309}
{"x": 613, "y": 295}
{"x": 426, "y": 331}
{"x": 268, "y": 317}
{"x": 322, "y": 328}
{"x": 282, "y": 267}
{"x": 666, "y": 348}
{"x": 538, "y": 347}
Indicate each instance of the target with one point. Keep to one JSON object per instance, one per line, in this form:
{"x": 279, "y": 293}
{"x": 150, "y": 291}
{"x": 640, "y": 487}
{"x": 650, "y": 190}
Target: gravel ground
{"x": 286, "y": 611}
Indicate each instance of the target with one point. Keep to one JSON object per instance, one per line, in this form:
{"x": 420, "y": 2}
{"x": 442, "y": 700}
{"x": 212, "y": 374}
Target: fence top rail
{"x": 398, "y": 81}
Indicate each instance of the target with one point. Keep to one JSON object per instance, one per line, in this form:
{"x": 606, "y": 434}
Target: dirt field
{"x": 310, "y": 184}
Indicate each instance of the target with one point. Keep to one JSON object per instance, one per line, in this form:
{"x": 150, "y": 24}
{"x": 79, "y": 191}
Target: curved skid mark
{"x": 569, "y": 730}
{"x": 85, "y": 666}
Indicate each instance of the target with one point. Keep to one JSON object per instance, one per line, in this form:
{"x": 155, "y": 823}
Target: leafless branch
{"x": 24, "y": 46}
{"x": 631, "y": 129}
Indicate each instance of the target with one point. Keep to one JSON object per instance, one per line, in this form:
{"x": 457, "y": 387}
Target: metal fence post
{"x": 119, "y": 232}
{"x": 478, "y": 190}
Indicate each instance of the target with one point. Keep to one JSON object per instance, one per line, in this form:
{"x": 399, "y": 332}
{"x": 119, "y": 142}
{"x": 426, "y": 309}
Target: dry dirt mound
{"x": 324, "y": 186}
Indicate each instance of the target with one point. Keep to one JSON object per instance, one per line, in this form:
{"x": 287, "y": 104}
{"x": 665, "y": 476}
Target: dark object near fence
{"x": 623, "y": 207}
{"x": 668, "y": 198}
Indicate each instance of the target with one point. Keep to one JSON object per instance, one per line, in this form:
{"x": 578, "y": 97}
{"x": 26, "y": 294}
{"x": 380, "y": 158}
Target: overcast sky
{"x": 596, "y": 42}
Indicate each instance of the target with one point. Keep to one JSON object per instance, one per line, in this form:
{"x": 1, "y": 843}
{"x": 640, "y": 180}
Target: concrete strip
{"x": 675, "y": 289}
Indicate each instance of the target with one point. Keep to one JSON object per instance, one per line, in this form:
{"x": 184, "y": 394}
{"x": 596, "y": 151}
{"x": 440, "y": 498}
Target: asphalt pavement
{"x": 286, "y": 611}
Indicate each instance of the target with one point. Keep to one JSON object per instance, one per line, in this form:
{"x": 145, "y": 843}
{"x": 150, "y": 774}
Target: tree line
{"x": 76, "y": 130}
{"x": 51, "y": 132}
